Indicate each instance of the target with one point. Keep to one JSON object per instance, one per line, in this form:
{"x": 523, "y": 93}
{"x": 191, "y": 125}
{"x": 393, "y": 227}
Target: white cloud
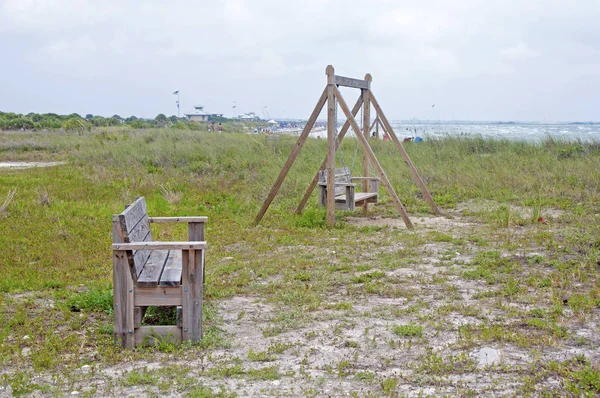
{"x": 202, "y": 46}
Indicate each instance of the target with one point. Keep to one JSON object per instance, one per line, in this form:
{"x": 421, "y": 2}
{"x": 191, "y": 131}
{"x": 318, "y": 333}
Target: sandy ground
{"x": 28, "y": 165}
{"x": 353, "y": 351}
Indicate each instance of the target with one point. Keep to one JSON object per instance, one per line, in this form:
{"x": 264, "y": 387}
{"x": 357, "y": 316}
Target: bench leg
{"x": 123, "y": 331}
{"x": 191, "y": 295}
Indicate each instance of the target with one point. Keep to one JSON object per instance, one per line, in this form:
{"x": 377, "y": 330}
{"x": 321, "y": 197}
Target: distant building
{"x": 249, "y": 117}
{"x": 198, "y": 115}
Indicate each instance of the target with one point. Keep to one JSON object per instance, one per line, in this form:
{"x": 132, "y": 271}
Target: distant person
{"x": 220, "y": 128}
{"x": 385, "y": 137}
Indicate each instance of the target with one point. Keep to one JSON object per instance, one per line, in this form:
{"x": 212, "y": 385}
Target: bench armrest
{"x": 160, "y": 246}
{"x": 177, "y": 219}
{"x": 339, "y": 184}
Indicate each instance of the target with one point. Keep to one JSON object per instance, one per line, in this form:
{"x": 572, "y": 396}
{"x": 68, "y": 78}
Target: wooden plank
{"x": 132, "y": 215}
{"x": 157, "y": 296}
{"x": 137, "y": 317}
{"x": 139, "y": 233}
{"x": 288, "y": 164}
{"x": 178, "y": 317}
{"x": 191, "y": 280}
{"x": 160, "y": 246}
{"x": 342, "y": 180}
{"x": 413, "y": 171}
{"x": 123, "y": 306}
{"x": 366, "y": 168}
{"x": 153, "y": 269}
{"x": 331, "y": 146}
{"x": 196, "y": 232}
{"x": 179, "y": 219}
{"x": 367, "y": 148}
{"x": 351, "y": 82}
{"x": 171, "y": 275}
{"x": 148, "y": 335}
{"x": 315, "y": 179}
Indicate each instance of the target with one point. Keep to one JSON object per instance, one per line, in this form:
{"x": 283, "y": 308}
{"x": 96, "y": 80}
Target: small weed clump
{"x": 410, "y": 330}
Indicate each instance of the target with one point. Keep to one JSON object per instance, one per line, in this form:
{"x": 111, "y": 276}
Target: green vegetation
{"x": 75, "y": 122}
{"x": 342, "y": 310}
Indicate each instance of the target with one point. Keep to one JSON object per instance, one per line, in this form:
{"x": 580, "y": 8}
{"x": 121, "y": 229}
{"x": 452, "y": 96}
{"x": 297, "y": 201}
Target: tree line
{"x": 74, "y": 121}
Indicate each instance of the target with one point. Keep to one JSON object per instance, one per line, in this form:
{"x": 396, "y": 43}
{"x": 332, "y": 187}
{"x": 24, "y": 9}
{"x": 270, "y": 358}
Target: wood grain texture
{"x": 160, "y": 246}
{"x": 171, "y": 275}
{"x": 351, "y": 82}
{"x": 153, "y": 269}
{"x": 157, "y": 296}
{"x": 178, "y": 219}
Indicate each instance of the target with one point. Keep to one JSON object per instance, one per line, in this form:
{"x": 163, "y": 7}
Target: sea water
{"x": 500, "y": 130}
{"x": 532, "y": 131}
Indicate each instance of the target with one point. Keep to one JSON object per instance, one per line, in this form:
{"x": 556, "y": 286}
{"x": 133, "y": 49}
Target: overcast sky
{"x": 474, "y": 59}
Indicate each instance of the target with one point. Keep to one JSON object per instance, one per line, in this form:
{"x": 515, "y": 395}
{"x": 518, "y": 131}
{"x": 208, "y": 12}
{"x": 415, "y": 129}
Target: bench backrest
{"x": 133, "y": 225}
{"x": 342, "y": 175}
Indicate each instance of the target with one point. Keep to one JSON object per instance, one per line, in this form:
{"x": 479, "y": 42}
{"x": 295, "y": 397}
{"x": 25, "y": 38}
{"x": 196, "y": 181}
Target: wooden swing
{"x": 326, "y": 175}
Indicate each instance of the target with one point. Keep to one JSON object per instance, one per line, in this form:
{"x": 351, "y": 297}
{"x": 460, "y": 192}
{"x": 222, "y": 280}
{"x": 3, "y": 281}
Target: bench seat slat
{"x": 358, "y": 196}
{"x": 171, "y": 275}
{"x": 153, "y": 269}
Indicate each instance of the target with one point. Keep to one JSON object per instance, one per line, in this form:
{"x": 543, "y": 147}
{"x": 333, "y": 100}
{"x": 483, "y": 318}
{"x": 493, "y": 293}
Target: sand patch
{"x": 28, "y": 165}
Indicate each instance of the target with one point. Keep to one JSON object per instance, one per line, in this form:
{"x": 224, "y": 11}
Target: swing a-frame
{"x": 331, "y": 95}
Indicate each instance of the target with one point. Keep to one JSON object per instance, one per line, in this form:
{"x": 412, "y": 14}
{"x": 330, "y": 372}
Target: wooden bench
{"x": 345, "y": 196}
{"x": 148, "y": 273}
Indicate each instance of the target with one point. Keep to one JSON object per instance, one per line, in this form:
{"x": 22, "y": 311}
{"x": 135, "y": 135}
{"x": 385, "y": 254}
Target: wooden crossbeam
{"x": 350, "y": 82}
{"x": 367, "y": 148}
{"x": 413, "y": 171}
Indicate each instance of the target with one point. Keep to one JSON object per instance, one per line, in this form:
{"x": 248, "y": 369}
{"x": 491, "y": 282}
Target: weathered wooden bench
{"x": 345, "y": 196}
{"x": 148, "y": 273}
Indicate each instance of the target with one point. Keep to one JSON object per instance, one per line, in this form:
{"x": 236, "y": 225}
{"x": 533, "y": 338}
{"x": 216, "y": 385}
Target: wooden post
{"x": 124, "y": 325}
{"x": 307, "y": 128}
{"x": 331, "y": 146}
{"x": 191, "y": 295}
{"x": 413, "y": 171}
{"x": 196, "y": 234}
{"x": 377, "y": 126}
{"x": 366, "y": 124}
{"x": 367, "y": 148}
{"x": 315, "y": 179}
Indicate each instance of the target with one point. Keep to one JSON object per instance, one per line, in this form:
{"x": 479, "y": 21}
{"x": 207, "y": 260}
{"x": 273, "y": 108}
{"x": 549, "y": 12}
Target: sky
{"x": 527, "y": 60}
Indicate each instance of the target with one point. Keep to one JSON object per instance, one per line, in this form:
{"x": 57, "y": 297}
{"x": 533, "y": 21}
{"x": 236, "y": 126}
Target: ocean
{"x": 585, "y": 132}
{"x": 500, "y": 130}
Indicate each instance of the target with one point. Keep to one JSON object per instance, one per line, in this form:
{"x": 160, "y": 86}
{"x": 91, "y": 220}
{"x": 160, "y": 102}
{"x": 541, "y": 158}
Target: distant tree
{"x": 173, "y": 119}
{"x": 117, "y": 117}
{"x": 113, "y": 121}
{"x": 98, "y": 121}
{"x": 89, "y": 116}
{"x": 130, "y": 119}
{"x": 74, "y": 115}
{"x": 160, "y": 120}
{"x": 76, "y": 124}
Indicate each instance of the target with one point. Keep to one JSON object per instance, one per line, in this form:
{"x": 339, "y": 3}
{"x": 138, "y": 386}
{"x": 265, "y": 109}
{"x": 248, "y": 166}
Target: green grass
{"x": 319, "y": 286}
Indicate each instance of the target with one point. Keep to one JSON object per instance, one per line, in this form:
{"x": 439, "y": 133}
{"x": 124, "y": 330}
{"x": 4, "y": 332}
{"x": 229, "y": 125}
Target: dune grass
{"x": 55, "y": 285}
